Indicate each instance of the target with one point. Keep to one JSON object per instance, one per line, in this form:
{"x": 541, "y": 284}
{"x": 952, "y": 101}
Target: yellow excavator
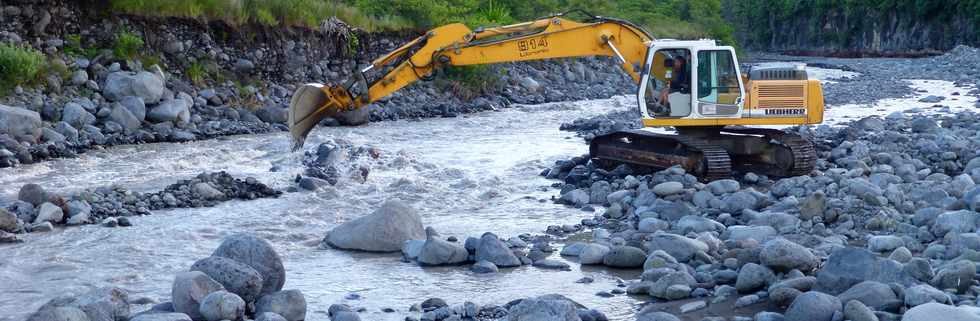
{"x": 696, "y": 87}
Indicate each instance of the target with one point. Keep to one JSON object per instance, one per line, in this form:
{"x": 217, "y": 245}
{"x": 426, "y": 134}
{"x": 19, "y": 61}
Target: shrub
{"x": 127, "y": 45}
{"x": 468, "y": 82}
{"x": 19, "y": 65}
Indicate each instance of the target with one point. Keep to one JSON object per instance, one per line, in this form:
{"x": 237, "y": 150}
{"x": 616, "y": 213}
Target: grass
{"x": 127, "y": 45}
{"x": 301, "y": 13}
{"x": 20, "y": 65}
{"x": 468, "y": 82}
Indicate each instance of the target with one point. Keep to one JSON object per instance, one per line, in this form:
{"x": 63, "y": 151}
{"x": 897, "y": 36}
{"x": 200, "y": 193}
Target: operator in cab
{"x": 681, "y": 82}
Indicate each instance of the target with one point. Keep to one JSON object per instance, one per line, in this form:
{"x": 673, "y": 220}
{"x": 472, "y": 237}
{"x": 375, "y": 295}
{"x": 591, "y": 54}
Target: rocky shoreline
{"x": 37, "y": 210}
{"x": 197, "y": 81}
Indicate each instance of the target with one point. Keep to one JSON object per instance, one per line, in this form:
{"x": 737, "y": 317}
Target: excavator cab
{"x": 690, "y": 80}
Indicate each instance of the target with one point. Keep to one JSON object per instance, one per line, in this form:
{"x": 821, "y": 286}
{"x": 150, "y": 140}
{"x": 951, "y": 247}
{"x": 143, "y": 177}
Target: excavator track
{"x": 713, "y": 154}
{"x": 804, "y": 155}
{"x": 697, "y": 156}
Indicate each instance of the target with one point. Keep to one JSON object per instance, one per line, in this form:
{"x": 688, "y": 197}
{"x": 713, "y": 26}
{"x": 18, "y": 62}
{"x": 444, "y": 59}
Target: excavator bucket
{"x": 310, "y": 104}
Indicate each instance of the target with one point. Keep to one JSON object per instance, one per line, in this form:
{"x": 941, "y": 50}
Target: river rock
{"x": 753, "y": 276}
{"x": 958, "y": 275}
{"x": 573, "y": 249}
{"x": 876, "y": 295}
{"x": 668, "y": 188}
{"x": 290, "y": 304}
{"x": 857, "y": 311}
{"x": 99, "y": 304}
{"x": 935, "y": 311}
{"x": 659, "y": 288}
{"x": 923, "y": 293}
{"x": 234, "y": 276}
{"x": 385, "y": 230}
{"x": 651, "y": 314}
{"x": 436, "y": 251}
{"x": 166, "y": 316}
{"x": 593, "y": 253}
{"x": 207, "y": 191}
{"x": 759, "y": 233}
{"x": 32, "y": 193}
{"x": 412, "y": 248}
{"x": 122, "y": 116}
{"x": 189, "y": 290}
{"x": 850, "y": 265}
{"x": 543, "y": 308}
{"x": 145, "y": 85}
{"x": 813, "y": 306}
{"x": 784, "y": 255}
{"x": 20, "y": 123}
{"x": 884, "y": 243}
{"x": 222, "y": 305}
{"x": 495, "y": 251}
{"x": 76, "y": 115}
{"x": 173, "y": 110}
{"x": 8, "y": 221}
{"x": 724, "y": 186}
{"x": 624, "y": 257}
{"x": 49, "y": 213}
{"x": 484, "y": 266}
{"x": 678, "y": 246}
{"x": 257, "y": 254}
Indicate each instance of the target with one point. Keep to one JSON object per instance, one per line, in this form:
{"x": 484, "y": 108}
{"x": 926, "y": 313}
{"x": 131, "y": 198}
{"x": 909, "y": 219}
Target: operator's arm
{"x": 457, "y": 45}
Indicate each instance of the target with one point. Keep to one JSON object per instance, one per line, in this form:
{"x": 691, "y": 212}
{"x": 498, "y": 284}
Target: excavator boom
{"x": 457, "y": 45}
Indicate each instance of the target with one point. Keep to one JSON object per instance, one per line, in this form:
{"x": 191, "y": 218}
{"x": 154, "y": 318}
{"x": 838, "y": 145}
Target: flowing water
{"x": 465, "y": 176}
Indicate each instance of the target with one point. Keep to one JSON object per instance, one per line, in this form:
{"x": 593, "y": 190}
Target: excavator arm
{"x": 457, "y": 45}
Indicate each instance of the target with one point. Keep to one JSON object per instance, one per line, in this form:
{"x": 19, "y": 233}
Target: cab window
{"x": 718, "y": 81}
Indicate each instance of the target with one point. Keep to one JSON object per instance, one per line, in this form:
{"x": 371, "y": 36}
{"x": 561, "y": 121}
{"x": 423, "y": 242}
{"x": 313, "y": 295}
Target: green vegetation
{"x": 20, "y": 65}
{"x": 754, "y": 18}
{"x": 468, "y": 82}
{"x": 127, "y": 45}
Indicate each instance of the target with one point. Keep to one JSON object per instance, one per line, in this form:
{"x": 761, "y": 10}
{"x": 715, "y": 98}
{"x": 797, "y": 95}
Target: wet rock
{"x": 724, "y": 186}
{"x": 412, "y": 248}
{"x": 49, "y": 213}
{"x": 189, "y": 290}
{"x": 659, "y": 288}
{"x": 8, "y": 221}
{"x": 876, "y": 295}
{"x": 680, "y": 247}
{"x": 753, "y": 276}
{"x": 813, "y": 306}
{"x": 145, "y": 85}
{"x": 32, "y": 193}
{"x": 269, "y": 316}
{"x": 385, "y": 230}
{"x": 76, "y": 116}
{"x": 222, "y": 305}
{"x": 274, "y": 114}
{"x": 857, "y": 311}
{"x": 290, "y": 304}
{"x": 593, "y": 254}
{"x": 173, "y": 110}
{"x": 668, "y": 188}
{"x": 741, "y": 232}
{"x": 543, "y": 309}
{"x": 624, "y": 257}
{"x": 578, "y": 197}
{"x": 849, "y": 266}
{"x": 784, "y": 255}
{"x": 257, "y": 254}
{"x": 495, "y": 251}
{"x": 100, "y": 304}
{"x": 551, "y": 264}
{"x": 20, "y": 123}
{"x": 936, "y": 311}
{"x": 235, "y": 277}
{"x": 484, "y": 266}
{"x": 573, "y": 249}
{"x": 651, "y": 314}
{"x": 207, "y": 191}
{"x": 122, "y": 116}
{"x": 436, "y": 251}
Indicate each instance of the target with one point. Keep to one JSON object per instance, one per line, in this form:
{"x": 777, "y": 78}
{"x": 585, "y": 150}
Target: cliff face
{"x": 859, "y": 32}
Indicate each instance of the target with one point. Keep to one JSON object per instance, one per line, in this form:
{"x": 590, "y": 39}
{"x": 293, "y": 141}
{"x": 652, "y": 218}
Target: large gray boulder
{"x": 436, "y": 251}
{"x": 146, "y": 85}
{"x": 49, "y": 212}
{"x": 222, "y": 305}
{"x": 783, "y": 255}
{"x": 753, "y": 276}
{"x": 543, "y": 309}
{"x": 851, "y": 265}
{"x": 493, "y": 250}
{"x": 100, "y": 304}
{"x": 76, "y": 115}
{"x": 813, "y": 306}
{"x": 624, "y": 257}
{"x": 32, "y": 193}
{"x": 257, "y": 254}
{"x": 135, "y": 105}
{"x": 236, "y": 277}
{"x": 651, "y": 314}
{"x": 122, "y": 116}
{"x": 385, "y": 230}
{"x": 593, "y": 253}
{"x": 680, "y": 247}
{"x": 659, "y": 289}
{"x": 935, "y": 312}
{"x": 174, "y": 110}
{"x": 876, "y": 295}
{"x": 189, "y": 290}
{"x": 290, "y": 304}
{"x": 354, "y": 117}
{"x": 20, "y": 123}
